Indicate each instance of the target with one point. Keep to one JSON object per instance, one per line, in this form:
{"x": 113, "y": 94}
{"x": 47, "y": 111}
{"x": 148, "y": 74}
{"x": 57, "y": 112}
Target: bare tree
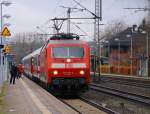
{"x": 113, "y": 28}
{"x": 25, "y": 43}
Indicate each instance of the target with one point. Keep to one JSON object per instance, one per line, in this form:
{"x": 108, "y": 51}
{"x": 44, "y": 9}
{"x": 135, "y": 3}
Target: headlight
{"x": 82, "y": 72}
{"x": 68, "y": 60}
{"x": 55, "y": 72}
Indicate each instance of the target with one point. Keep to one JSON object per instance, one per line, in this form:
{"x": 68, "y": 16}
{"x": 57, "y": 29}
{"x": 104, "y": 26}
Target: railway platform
{"x": 26, "y": 97}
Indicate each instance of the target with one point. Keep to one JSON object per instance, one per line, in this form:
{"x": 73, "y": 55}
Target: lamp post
{"x": 99, "y": 59}
{"x": 93, "y": 49}
{"x": 108, "y": 44}
{"x": 131, "y": 55}
{"x": 141, "y": 30}
{"x": 117, "y": 39}
{"x": 5, "y": 3}
{"x": 131, "y": 52}
{"x": 147, "y": 46}
{"x": 6, "y": 16}
{"x": 147, "y": 54}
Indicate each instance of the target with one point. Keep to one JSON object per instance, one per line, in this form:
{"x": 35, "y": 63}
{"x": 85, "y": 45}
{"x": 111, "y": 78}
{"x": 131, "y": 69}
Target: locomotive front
{"x": 69, "y": 65}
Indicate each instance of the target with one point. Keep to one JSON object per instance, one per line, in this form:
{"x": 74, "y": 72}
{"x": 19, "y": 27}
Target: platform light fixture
{"x": 6, "y": 3}
{"x": 6, "y": 16}
{"x": 6, "y": 24}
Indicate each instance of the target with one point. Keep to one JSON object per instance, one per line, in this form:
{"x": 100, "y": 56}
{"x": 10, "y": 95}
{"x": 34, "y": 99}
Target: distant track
{"x": 127, "y": 81}
{"x": 130, "y": 96}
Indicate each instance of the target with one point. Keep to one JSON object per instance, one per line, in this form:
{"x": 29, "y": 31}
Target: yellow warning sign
{"x": 6, "y": 32}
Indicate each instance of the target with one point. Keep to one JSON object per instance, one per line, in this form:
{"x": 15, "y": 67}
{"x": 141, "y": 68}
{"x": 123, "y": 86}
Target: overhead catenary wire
{"x": 73, "y": 6}
{"x": 80, "y": 29}
{"x": 83, "y": 23}
{"x": 86, "y": 9}
{"x": 62, "y": 13}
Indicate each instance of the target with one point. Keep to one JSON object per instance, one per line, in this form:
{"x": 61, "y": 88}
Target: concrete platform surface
{"x": 26, "y": 97}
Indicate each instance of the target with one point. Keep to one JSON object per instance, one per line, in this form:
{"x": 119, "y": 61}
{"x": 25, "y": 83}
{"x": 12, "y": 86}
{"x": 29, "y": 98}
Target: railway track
{"x": 116, "y": 92}
{"x": 85, "y": 106}
{"x": 143, "y": 83}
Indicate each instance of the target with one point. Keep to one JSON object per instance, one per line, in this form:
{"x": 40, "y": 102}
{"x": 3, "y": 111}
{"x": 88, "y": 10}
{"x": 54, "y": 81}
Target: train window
{"x": 60, "y": 52}
{"x": 68, "y": 52}
{"x": 76, "y": 52}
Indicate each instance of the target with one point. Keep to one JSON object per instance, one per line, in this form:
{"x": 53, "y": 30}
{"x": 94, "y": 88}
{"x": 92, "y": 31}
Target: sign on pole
{"x": 6, "y": 32}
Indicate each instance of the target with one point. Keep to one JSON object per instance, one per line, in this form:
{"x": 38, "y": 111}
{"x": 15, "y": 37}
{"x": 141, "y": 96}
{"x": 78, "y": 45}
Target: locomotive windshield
{"x": 68, "y": 52}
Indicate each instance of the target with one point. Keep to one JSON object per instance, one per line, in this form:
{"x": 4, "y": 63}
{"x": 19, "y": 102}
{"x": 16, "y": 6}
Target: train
{"x": 62, "y": 64}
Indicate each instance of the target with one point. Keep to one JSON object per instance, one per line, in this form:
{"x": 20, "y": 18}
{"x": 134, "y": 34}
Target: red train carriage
{"x": 32, "y": 65}
{"x": 64, "y": 64}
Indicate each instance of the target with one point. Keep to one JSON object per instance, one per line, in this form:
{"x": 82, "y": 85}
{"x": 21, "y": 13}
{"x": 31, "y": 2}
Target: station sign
{"x": 6, "y": 32}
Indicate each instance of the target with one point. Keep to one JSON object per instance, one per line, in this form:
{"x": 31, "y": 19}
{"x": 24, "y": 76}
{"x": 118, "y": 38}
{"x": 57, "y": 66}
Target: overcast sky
{"x": 27, "y": 14}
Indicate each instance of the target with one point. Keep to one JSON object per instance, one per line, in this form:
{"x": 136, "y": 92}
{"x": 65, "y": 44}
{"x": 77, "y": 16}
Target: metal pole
{"x": 1, "y": 21}
{"x": 131, "y": 54}
{"x": 1, "y": 55}
{"x": 94, "y": 64}
{"x": 1, "y": 35}
{"x": 68, "y": 23}
{"x": 119, "y": 56}
{"x": 147, "y": 53}
{"x": 109, "y": 55}
{"x": 99, "y": 53}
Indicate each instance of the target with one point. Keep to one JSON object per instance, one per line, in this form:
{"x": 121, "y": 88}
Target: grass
{"x": 2, "y": 97}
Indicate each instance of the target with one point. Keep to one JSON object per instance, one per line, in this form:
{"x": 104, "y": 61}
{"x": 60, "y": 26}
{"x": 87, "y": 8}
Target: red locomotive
{"x": 62, "y": 64}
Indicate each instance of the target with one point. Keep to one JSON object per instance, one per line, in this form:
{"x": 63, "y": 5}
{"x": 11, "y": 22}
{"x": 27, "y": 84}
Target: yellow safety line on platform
{"x": 35, "y": 99}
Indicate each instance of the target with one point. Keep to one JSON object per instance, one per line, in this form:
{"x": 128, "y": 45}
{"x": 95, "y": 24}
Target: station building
{"x": 126, "y": 54}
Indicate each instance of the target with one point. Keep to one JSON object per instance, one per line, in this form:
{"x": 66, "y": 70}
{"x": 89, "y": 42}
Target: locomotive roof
{"x": 66, "y": 42}
{"x": 36, "y": 52}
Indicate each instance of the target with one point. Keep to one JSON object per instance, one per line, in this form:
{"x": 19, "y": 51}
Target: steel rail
{"x": 131, "y": 96}
{"x": 99, "y": 106}
{"x": 125, "y": 81}
{"x": 70, "y": 106}
{"x": 92, "y": 103}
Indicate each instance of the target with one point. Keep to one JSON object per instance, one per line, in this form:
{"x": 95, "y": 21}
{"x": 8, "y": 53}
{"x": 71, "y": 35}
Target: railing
{"x": 113, "y": 69}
